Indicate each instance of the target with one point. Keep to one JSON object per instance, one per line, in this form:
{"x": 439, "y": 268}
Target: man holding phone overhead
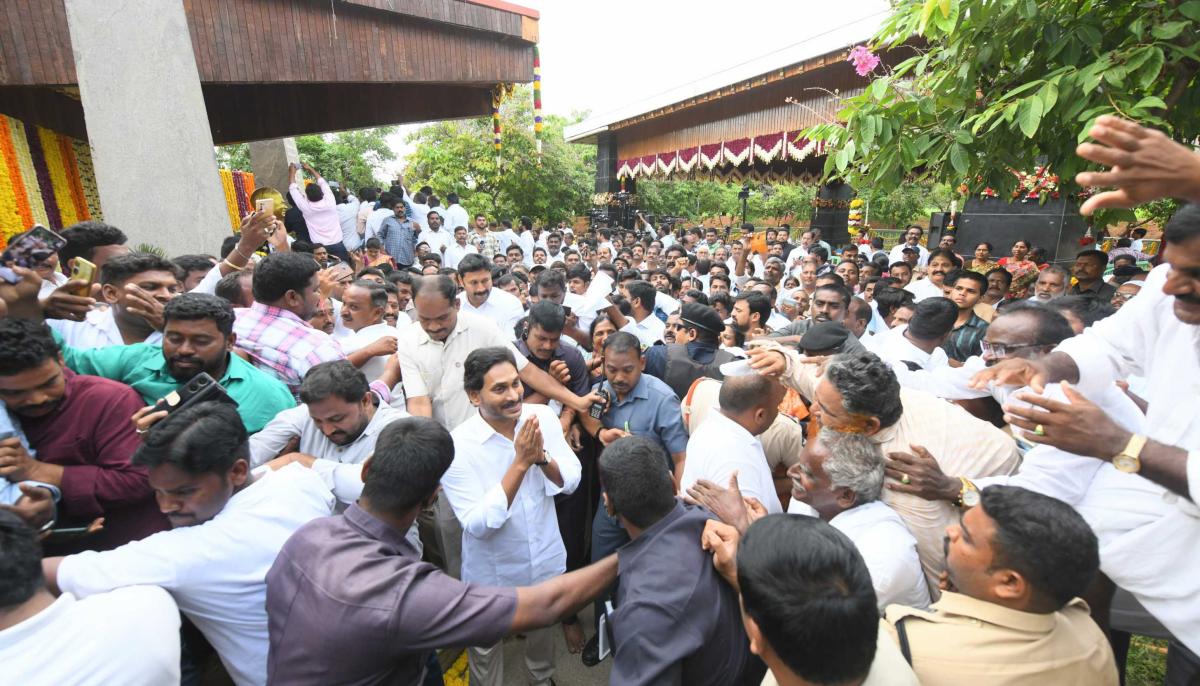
{"x": 317, "y": 203}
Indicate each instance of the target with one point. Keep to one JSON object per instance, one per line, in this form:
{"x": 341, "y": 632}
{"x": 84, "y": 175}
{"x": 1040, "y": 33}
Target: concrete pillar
{"x": 270, "y": 159}
{"x": 151, "y": 144}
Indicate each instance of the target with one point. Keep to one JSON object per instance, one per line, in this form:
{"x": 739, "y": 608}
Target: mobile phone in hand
{"x": 30, "y": 249}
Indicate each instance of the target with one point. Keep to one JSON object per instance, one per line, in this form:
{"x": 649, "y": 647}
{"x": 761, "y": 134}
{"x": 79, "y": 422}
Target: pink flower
{"x": 864, "y": 60}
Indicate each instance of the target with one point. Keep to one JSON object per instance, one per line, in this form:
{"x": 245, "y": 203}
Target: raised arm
{"x": 550, "y": 601}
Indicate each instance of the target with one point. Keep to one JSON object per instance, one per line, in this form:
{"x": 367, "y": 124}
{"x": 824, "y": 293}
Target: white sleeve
{"x": 481, "y": 508}
{"x": 556, "y": 445}
{"x": 153, "y": 561}
{"x": 344, "y": 479}
{"x": 209, "y": 283}
{"x": 1114, "y": 348}
{"x": 266, "y": 444}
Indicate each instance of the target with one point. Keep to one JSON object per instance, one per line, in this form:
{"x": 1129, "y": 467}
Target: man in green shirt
{"x": 197, "y": 337}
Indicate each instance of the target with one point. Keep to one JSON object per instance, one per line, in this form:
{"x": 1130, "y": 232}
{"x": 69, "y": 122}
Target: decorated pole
{"x": 497, "y": 98}
{"x": 537, "y": 102}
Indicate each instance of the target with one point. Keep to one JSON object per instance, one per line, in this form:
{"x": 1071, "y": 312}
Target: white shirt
{"x": 436, "y": 240}
{"x": 339, "y": 465}
{"x": 718, "y": 448}
{"x": 503, "y": 545}
{"x": 1149, "y": 537}
{"x": 454, "y": 217}
{"x": 892, "y": 347}
{"x": 97, "y": 330}
{"x": 924, "y": 288}
{"x": 128, "y": 636}
{"x": 357, "y": 340}
{"x": 502, "y": 307}
{"x": 648, "y": 331}
{"x": 455, "y": 252}
{"x": 434, "y": 369}
{"x": 889, "y": 550}
{"x": 348, "y": 218}
{"x": 216, "y": 571}
{"x": 897, "y": 254}
{"x": 56, "y": 279}
{"x": 777, "y": 321}
{"x": 525, "y": 240}
{"x": 506, "y": 239}
{"x": 375, "y": 221}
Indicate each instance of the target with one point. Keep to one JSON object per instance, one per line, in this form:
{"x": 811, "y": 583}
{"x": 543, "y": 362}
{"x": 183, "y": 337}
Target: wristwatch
{"x": 969, "y": 495}
{"x": 545, "y": 459}
{"x": 1129, "y": 459}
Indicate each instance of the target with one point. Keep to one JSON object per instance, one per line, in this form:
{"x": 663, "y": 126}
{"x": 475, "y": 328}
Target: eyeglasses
{"x": 998, "y": 350}
{"x": 1123, "y": 297}
{"x": 676, "y": 327}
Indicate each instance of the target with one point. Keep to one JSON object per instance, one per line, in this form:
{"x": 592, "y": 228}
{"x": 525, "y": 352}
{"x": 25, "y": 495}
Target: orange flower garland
{"x": 74, "y": 184}
{"x": 15, "y": 213}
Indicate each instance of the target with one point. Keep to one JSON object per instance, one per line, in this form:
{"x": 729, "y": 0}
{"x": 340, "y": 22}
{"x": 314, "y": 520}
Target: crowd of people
{"x": 381, "y": 429}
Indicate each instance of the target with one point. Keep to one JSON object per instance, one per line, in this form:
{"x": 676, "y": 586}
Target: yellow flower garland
{"x": 87, "y": 177}
{"x": 60, "y": 187}
{"x": 25, "y": 163}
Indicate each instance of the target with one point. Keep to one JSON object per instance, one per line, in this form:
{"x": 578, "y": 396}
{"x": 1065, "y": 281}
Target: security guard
{"x": 680, "y": 364}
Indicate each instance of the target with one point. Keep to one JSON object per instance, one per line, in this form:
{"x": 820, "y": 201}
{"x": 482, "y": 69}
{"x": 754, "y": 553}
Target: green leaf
{"x": 1191, "y": 10}
{"x": 944, "y": 6}
{"x": 926, "y": 12}
{"x": 841, "y": 160}
{"x": 1149, "y": 72}
{"x": 958, "y": 158}
{"x": 1150, "y": 101}
{"x": 1021, "y": 89}
{"x": 878, "y": 89}
{"x": 964, "y": 137}
{"x": 1049, "y": 96}
{"x": 1030, "y": 116}
{"x": 1169, "y": 30}
{"x": 866, "y": 131}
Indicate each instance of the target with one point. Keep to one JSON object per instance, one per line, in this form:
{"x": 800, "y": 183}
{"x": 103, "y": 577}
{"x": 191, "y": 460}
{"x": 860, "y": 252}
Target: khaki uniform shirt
{"x": 962, "y": 444}
{"x": 961, "y": 640}
{"x": 888, "y": 668}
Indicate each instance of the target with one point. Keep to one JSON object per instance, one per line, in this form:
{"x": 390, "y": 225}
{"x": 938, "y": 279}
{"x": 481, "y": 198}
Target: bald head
{"x": 752, "y": 401}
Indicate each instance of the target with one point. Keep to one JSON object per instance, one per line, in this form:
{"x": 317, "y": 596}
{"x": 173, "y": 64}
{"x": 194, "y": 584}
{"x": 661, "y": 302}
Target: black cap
{"x": 824, "y": 337}
{"x": 702, "y": 317}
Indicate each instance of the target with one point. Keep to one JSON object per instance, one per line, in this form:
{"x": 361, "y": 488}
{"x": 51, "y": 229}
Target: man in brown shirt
{"x": 1018, "y": 563}
{"x": 349, "y": 600}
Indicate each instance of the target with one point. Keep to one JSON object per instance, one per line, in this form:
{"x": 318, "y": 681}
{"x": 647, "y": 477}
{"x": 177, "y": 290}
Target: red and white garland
{"x": 738, "y": 155}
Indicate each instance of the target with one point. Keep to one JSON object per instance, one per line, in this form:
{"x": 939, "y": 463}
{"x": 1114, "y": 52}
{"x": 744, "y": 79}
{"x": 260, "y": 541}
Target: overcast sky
{"x": 598, "y": 56}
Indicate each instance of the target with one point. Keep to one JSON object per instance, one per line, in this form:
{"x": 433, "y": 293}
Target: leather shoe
{"x": 591, "y": 652}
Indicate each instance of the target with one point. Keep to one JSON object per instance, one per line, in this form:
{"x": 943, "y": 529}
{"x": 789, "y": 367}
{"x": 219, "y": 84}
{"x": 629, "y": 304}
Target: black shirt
{"x": 676, "y": 621}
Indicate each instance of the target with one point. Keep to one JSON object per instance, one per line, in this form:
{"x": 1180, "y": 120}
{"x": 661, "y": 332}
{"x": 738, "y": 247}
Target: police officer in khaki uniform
{"x": 1018, "y": 563}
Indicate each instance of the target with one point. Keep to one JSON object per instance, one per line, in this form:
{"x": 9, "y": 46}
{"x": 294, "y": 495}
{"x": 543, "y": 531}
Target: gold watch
{"x": 1129, "y": 459}
{"x": 969, "y": 495}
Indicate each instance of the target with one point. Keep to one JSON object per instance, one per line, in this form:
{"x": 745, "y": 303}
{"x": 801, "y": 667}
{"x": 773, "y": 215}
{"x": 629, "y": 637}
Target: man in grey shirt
{"x": 349, "y": 600}
{"x": 830, "y": 302}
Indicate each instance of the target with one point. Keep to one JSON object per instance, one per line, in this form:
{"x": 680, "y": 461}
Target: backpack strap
{"x": 902, "y": 635}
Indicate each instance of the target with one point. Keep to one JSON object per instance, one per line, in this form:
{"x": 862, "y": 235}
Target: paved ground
{"x": 570, "y": 671}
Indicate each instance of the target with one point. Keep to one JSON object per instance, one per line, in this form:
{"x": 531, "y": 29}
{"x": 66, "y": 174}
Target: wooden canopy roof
{"x": 272, "y": 68}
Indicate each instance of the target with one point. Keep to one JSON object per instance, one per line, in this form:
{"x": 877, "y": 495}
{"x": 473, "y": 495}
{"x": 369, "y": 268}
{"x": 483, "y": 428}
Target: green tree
{"x": 458, "y": 156}
{"x": 355, "y": 157}
{"x": 905, "y": 204}
{"x": 1002, "y": 85}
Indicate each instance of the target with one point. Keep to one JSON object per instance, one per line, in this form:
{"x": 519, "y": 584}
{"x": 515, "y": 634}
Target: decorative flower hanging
{"x": 537, "y": 103}
{"x": 863, "y": 59}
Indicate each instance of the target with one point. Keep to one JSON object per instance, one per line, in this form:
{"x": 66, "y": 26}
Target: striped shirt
{"x": 279, "y": 341}
{"x": 964, "y": 341}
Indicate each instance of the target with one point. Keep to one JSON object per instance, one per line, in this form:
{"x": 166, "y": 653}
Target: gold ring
{"x": 905, "y": 480}
{"x": 1039, "y": 430}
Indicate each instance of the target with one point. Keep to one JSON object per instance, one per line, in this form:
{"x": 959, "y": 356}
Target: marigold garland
{"x": 28, "y": 175}
{"x": 15, "y": 213}
{"x": 74, "y": 184}
{"x": 87, "y": 177}
{"x": 60, "y": 187}
{"x": 44, "y": 184}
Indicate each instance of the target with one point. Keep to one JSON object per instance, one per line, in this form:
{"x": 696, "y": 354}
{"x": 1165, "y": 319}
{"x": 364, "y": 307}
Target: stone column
{"x": 270, "y": 159}
{"x": 151, "y": 144}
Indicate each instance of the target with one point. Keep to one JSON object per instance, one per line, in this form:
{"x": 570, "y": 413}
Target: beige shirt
{"x": 888, "y": 669}
{"x": 962, "y": 444}
{"x": 434, "y": 369}
{"x": 961, "y": 640}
